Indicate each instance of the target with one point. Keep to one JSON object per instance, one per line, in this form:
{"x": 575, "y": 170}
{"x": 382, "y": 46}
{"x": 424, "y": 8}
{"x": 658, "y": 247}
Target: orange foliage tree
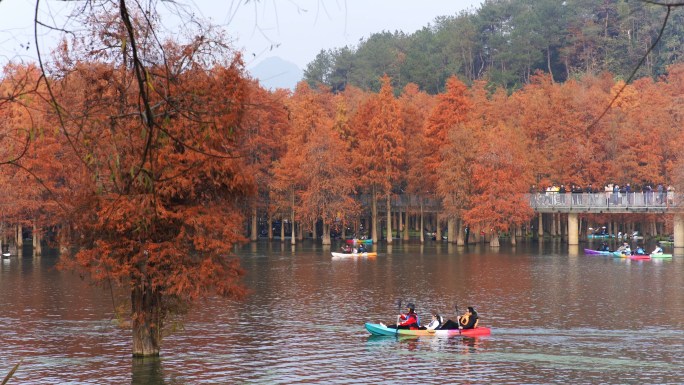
{"x": 500, "y": 171}
{"x": 447, "y": 149}
{"x": 160, "y": 181}
{"x": 315, "y": 161}
{"x": 380, "y": 153}
{"x": 265, "y": 123}
{"x": 415, "y": 106}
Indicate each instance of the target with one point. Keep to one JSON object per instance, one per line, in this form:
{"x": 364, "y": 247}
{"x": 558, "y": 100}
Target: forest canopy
{"x": 506, "y": 41}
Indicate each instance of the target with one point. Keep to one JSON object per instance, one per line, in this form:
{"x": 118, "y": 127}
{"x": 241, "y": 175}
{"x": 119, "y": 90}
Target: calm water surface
{"x": 557, "y": 316}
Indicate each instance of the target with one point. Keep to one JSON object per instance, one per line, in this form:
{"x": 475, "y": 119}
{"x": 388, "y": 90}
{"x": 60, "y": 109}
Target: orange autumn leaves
{"x": 309, "y": 152}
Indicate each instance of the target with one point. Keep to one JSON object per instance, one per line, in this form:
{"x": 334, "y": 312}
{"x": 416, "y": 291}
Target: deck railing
{"x": 611, "y": 201}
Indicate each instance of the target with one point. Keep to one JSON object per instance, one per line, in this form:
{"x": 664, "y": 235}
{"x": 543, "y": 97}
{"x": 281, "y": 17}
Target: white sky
{"x": 296, "y": 29}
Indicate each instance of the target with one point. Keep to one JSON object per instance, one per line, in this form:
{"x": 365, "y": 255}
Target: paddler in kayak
{"x": 436, "y": 321}
{"x": 466, "y": 321}
{"x": 469, "y": 319}
{"x": 658, "y": 249}
{"x": 409, "y": 320}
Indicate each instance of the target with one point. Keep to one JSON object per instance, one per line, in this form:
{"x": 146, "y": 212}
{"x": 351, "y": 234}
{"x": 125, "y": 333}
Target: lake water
{"x": 557, "y": 317}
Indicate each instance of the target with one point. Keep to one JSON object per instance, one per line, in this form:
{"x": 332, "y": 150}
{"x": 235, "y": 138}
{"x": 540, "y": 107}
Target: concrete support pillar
{"x": 540, "y": 226}
{"x": 679, "y": 231}
{"x": 573, "y": 229}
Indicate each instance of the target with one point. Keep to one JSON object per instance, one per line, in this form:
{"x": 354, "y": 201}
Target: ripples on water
{"x": 556, "y": 318}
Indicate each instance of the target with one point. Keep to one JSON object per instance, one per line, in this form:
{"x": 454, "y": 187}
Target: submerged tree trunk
{"x": 20, "y": 236}
{"x": 255, "y": 231}
{"x": 460, "y": 238}
{"x": 451, "y": 230}
{"x": 389, "y": 219}
{"x": 270, "y": 227}
{"x": 438, "y": 229}
{"x": 282, "y": 229}
{"x": 147, "y": 322}
{"x": 422, "y": 222}
{"x": 374, "y": 217}
{"x": 37, "y": 249}
{"x": 326, "y": 234}
{"x": 494, "y": 239}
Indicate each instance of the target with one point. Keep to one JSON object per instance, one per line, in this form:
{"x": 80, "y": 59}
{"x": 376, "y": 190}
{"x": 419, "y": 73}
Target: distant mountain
{"x": 274, "y": 72}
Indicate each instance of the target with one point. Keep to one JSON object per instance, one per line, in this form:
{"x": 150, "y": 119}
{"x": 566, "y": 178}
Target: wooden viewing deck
{"x": 610, "y": 203}
{"x": 606, "y": 203}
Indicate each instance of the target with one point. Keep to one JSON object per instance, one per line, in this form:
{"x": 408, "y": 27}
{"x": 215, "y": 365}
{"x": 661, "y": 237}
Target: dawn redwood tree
{"x": 20, "y": 129}
{"x": 382, "y": 149}
{"x": 344, "y": 103}
{"x": 451, "y": 111}
{"x": 674, "y": 134}
{"x": 161, "y": 181}
{"x": 308, "y": 113}
{"x": 415, "y": 106}
{"x": 265, "y": 124}
{"x": 328, "y": 180}
{"x": 316, "y": 159}
{"x": 499, "y": 175}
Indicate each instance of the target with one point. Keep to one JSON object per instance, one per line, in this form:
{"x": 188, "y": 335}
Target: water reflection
{"x": 148, "y": 370}
{"x": 556, "y": 317}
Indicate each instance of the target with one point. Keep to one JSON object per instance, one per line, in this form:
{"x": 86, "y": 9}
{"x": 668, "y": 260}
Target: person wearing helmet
{"x": 408, "y": 320}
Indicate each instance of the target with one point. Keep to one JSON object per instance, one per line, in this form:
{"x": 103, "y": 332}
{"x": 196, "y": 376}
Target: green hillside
{"x": 506, "y": 41}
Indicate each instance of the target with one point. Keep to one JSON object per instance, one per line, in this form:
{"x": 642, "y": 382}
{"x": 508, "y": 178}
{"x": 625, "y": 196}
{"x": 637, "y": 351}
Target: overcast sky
{"x": 295, "y": 30}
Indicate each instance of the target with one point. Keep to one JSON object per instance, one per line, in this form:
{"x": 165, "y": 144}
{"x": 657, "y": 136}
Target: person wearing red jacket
{"x": 408, "y": 320}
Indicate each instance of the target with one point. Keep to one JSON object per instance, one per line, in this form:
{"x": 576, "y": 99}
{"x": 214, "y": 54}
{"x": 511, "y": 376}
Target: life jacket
{"x": 468, "y": 322}
{"x": 410, "y": 319}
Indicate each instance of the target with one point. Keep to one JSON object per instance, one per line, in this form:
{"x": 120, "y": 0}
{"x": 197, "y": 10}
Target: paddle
{"x": 458, "y": 321}
{"x": 396, "y": 329}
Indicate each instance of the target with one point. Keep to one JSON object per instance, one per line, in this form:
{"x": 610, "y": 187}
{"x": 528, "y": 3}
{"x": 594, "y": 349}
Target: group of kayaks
{"x": 620, "y": 254}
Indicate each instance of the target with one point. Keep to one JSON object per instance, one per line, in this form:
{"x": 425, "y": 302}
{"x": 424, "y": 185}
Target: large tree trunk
{"x": 147, "y": 323}
{"x": 37, "y": 249}
{"x": 270, "y": 227}
{"x": 460, "y": 236}
{"x": 20, "y": 236}
{"x": 438, "y": 229}
{"x": 255, "y": 231}
{"x": 389, "y": 219}
{"x": 422, "y": 223}
{"x": 374, "y": 217}
{"x": 451, "y": 230}
{"x": 494, "y": 239}
{"x": 326, "y": 234}
{"x": 293, "y": 240}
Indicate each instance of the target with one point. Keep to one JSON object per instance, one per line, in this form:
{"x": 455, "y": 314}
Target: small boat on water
{"x": 355, "y": 255}
{"x": 642, "y": 257}
{"x": 357, "y": 241}
{"x": 379, "y": 330}
{"x": 597, "y": 252}
{"x": 599, "y": 236}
